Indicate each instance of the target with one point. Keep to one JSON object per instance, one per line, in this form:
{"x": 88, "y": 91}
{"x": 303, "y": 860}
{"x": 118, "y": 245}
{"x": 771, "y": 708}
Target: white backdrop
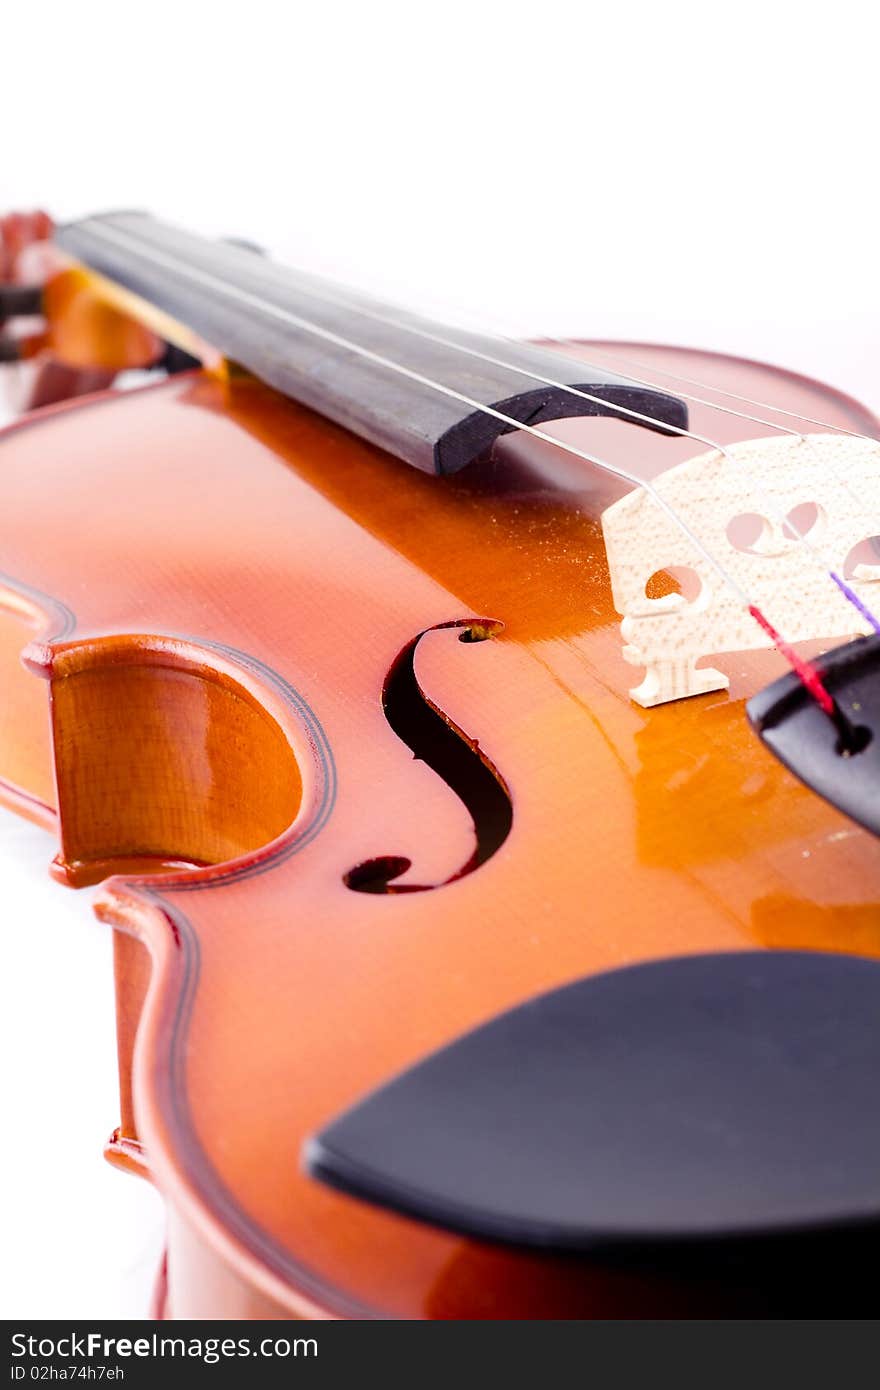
{"x": 682, "y": 172}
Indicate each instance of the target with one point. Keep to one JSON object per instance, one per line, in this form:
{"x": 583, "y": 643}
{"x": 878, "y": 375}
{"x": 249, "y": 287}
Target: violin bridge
{"x": 777, "y": 514}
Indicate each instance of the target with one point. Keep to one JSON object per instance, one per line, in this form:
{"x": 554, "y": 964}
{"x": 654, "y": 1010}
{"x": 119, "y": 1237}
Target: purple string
{"x": 856, "y": 602}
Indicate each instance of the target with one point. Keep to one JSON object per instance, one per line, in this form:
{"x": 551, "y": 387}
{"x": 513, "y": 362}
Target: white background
{"x": 691, "y": 173}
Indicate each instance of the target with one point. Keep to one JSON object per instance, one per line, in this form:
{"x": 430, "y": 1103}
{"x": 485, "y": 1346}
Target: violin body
{"x": 256, "y": 635}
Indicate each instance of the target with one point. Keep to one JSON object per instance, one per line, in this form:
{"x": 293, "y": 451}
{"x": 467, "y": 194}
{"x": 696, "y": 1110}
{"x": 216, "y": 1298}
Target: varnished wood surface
{"x": 215, "y": 584}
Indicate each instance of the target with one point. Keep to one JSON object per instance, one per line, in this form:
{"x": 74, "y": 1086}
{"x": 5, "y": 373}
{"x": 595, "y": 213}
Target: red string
{"x": 804, "y": 669}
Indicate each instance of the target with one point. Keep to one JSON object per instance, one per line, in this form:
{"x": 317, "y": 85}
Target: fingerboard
{"x": 422, "y": 391}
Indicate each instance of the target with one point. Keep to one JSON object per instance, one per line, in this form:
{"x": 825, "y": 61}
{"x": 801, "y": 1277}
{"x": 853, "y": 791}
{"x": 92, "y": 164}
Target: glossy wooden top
{"x": 217, "y": 583}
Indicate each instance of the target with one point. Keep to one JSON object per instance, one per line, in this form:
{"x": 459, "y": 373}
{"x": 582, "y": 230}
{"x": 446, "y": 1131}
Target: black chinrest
{"x": 730, "y": 1097}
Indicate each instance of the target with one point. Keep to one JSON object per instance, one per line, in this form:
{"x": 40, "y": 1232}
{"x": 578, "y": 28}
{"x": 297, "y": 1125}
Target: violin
{"x": 476, "y": 744}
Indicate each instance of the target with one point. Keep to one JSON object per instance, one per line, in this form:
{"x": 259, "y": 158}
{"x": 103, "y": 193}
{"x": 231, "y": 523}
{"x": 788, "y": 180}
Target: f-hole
{"x": 449, "y": 752}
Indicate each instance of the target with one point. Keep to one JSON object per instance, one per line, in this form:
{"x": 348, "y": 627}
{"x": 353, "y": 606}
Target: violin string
{"x": 791, "y": 523}
{"x": 806, "y": 672}
{"x": 319, "y": 290}
{"x": 709, "y": 386}
{"x": 801, "y": 537}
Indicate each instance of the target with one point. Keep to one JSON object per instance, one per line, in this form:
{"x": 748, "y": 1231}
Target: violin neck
{"x": 420, "y": 390}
